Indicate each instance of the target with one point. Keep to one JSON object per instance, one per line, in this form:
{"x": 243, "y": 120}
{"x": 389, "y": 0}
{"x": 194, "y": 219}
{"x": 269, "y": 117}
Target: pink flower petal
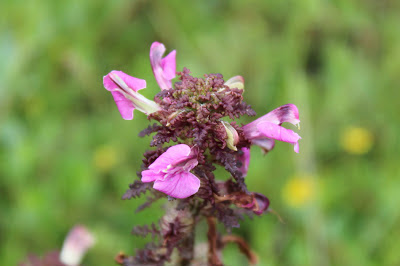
{"x": 285, "y": 113}
{"x": 124, "y": 105}
{"x": 168, "y": 64}
{"x": 265, "y": 144}
{"x": 174, "y": 154}
{"x": 132, "y": 82}
{"x": 179, "y": 185}
{"x": 273, "y": 131}
{"x": 150, "y": 176}
{"x": 118, "y": 83}
{"x": 164, "y": 69}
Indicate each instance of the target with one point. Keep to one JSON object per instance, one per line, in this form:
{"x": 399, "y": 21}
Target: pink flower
{"x": 124, "y": 90}
{"x": 164, "y": 69}
{"x": 170, "y": 172}
{"x": 77, "y": 242}
{"x": 265, "y": 129}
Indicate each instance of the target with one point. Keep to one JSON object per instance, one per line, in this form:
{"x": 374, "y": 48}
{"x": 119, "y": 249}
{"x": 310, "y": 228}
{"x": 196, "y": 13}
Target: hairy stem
{"x": 187, "y": 250}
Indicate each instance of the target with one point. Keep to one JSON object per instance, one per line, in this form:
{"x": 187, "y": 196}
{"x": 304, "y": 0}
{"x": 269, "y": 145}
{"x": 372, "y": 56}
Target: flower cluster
{"x": 198, "y": 114}
{"x": 192, "y": 113}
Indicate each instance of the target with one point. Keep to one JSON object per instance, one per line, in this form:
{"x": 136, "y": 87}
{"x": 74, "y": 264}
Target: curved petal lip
{"x": 180, "y": 185}
{"x": 170, "y": 156}
{"x": 131, "y": 82}
{"x": 125, "y": 106}
{"x": 285, "y": 113}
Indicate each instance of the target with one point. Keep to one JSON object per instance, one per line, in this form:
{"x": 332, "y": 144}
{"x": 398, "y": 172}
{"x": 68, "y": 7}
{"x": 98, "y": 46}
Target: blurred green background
{"x": 67, "y": 156}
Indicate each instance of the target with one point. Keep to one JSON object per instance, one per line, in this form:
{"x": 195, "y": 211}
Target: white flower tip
{"x": 76, "y": 244}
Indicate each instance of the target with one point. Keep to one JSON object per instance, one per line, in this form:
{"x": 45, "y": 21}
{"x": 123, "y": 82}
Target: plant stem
{"x": 213, "y": 259}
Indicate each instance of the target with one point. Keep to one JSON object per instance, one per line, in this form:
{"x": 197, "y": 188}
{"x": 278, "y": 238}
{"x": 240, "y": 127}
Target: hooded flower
{"x": 124, "y": 90}
{"x": 170, "y": 172}
{"x": 164, "y": 69}
{"x": 265, "y": 129}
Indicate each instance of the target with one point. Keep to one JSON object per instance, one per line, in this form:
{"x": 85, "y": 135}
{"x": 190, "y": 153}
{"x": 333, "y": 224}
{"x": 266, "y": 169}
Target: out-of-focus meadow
{"x": 67, "y": 156}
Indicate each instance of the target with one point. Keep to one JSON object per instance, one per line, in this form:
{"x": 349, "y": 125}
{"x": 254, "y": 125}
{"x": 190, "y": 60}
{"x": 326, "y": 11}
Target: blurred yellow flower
{"x": 104, "y": 158}
{"x": 299, "y": 190}
{"x": 356, "y": 140}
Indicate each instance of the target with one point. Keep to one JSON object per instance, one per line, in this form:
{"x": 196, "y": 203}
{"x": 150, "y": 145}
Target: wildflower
{"x": 171, "y": 172}
{"x": 105, "y": 158}
{"x": 298, "y": 191}
{"x": 164, "y": 69}
{"x": 265, "y": 129}
{"x": 356, "y": 140}
{"x": 193, "y": 111}
{"x": 77, "y": 242}
{"x": 124, "y": 90}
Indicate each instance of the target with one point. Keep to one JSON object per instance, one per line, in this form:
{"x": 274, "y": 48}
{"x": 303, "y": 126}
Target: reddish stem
{"x": 243, "y": 247}
{"x": 213, "y": 259}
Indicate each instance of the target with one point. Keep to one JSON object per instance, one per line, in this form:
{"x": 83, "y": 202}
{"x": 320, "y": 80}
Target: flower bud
{"x": 232, "y": 136}
{"x": 235, "y": 82}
